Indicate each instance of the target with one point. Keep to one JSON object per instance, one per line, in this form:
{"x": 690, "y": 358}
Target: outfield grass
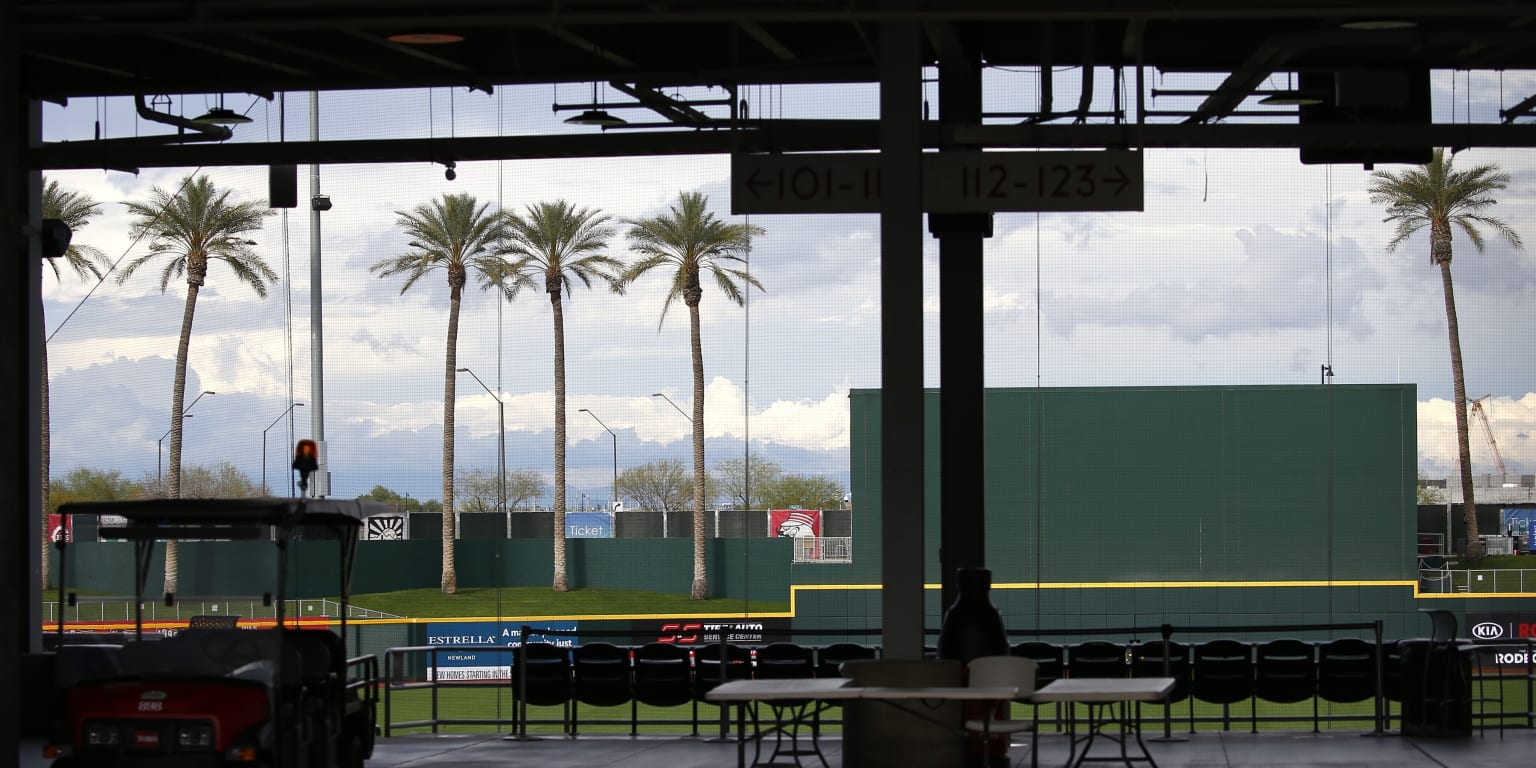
{"x": 542, "y": 601}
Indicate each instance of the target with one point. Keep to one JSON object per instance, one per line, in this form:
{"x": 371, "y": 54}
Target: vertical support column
{"x": 962, "y": 477}
{"x": 901, "y": 339}
{"x": 20, "y": 435}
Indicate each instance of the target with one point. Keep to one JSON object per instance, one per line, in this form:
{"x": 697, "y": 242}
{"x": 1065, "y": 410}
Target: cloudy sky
{"x": 1246, "y": 267}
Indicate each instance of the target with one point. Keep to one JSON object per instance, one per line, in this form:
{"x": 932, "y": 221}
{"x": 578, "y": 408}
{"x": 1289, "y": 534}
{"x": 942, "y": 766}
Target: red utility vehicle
{"x": 214, "y": 694}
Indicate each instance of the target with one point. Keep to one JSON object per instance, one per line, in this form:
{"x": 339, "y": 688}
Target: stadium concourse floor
{"x": 1214, "y": 749}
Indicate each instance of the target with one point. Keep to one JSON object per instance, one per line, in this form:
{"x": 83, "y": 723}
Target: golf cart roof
{"x": 225, "y": 518}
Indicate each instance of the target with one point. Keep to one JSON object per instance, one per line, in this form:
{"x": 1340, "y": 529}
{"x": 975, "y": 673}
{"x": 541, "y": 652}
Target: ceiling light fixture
{"x": 426, "y": 38}
{"x": 596, "y": 115}
{"x": 222, "y": 116}
{"x": 1379, "y": 24}
{"x": 1291, "y": 99}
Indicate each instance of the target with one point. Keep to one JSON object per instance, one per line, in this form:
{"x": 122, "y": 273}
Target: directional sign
{"x": 953, "y": 182}
{"x": 841, "y": 183}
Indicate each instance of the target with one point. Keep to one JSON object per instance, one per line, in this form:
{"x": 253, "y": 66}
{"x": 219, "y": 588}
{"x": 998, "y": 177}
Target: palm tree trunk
{"x": 561, "y": 581}
{"x": 47, "y": 449}
{"x": 1459, "y": 384}
{"x": 700, "y": 588}
{"x": 178, "y": 398}
{"x": 450, "y": 583}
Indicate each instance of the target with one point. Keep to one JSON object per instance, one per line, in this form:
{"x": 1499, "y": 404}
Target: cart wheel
{"x": 353, "y": 752}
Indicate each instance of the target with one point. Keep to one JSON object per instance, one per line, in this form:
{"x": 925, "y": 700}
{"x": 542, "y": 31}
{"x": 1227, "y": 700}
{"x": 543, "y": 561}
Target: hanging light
{"x": 597, "y": 115}
{"x": 221, "y": 116}
{"x": 1291, "y": 99}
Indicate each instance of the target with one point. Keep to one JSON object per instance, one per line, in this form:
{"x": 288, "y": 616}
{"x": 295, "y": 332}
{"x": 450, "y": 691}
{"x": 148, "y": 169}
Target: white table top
{"x": 841, "y": 688}
{"x": 1096, "y": 689}
{"x": 784, "y": 688}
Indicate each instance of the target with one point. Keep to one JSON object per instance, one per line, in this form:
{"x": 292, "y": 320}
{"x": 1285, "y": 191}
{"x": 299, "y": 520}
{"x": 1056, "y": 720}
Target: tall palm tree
{"x": 1441, "y": 198}
{"x": 551, "y": 245}
{"x": 458, "y": 235}
{"x": 193, "y": 227}
{"x": 689, "y": 240}
{"x": 75, "y": 209}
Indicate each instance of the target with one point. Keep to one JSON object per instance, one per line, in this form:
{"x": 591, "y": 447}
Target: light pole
{"x": 160, "y": 444}
{"x": 615, "y": 453}
{"x": 264, "y": 432}
{"x": 501, "y": 453}
{"x": 674, "y": 405}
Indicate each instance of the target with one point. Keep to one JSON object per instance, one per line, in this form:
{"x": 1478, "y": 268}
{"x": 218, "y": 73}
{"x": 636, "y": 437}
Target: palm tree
{"x": 193, "y": 227}
{"x": 551, "y": 246}
{"x": 456, "y": 234}
{"x": 75, "y": 209}
{"x": 690, "y": 240}
{"x": 1440, "y": 197}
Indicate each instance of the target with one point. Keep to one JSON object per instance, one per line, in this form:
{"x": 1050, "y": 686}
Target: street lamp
{"x": 615, "y": 452}
{"x": 264, "y": 432}
{"x": 159, "y": 444}
{"x": 674, "y": 405}
{"x": 501, "y": 454}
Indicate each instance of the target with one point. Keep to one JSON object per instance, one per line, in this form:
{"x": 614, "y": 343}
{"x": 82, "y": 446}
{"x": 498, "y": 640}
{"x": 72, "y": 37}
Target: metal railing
{"x": 1476, "y": 580}
{"x": 119, "y": 609}
{"x": 824, "y": 549}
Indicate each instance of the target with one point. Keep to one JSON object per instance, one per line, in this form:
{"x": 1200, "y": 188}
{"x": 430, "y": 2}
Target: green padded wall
{"x": 1173, "y": 484}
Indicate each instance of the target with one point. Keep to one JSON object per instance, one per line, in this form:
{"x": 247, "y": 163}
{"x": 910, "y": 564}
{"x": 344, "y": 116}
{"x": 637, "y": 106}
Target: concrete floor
{"x": 1217, "y": 749}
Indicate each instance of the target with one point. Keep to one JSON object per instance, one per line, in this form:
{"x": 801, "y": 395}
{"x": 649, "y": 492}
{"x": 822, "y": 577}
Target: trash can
{"x": 1436, "y": 688}
{"x": 880, "y": 734}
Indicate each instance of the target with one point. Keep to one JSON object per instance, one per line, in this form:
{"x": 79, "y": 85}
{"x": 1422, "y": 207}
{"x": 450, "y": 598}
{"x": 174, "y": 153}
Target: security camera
{"x": 320, "y": 203}
{"x": 450, "y": 174}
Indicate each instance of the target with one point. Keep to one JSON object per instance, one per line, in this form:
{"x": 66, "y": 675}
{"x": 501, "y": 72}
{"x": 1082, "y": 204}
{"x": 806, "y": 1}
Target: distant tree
{"x": 731, "y": 478}
{"x": 458, "y": 235}
{"x": 524, "y": 486}
{"x": 1444, "y": 199}
{"x": 805, "y": 491}
{"x": 75, "y": 209}
{"x": 220, "y": 481}
{"x": 659, "y": 485}
{"x": 685, "y": 243}
{"x": 86, "y": 484}
{"x": 1429, "y": 494}
{"x": 476, "y": 491}
{"x": 392, "y": 498}
{"x": 553, "y": 245}
{"x": 192, "y": 228}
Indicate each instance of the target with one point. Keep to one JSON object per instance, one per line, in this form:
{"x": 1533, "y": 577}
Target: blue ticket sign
{"x": 588, "y": 525}
{"x": 475, "y": 650}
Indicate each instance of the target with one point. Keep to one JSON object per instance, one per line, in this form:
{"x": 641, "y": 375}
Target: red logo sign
{"x": 680, "y": 633}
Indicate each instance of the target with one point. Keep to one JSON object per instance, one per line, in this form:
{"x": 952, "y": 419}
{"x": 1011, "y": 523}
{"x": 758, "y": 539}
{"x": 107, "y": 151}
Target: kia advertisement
{"x": 1509, "y": 631}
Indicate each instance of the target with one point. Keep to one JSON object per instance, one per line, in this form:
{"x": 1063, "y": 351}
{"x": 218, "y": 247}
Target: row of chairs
{"x": 1218, "y": 671}
{"x": 661, "y": 674}
{"x": 1227, "y": 671}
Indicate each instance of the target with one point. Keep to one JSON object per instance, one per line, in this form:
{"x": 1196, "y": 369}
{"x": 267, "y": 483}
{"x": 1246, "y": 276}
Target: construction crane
{"x": 1482, "y": 418}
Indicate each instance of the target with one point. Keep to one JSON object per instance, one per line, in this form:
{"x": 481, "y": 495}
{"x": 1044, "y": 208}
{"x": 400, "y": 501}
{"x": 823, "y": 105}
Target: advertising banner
{"x": 694, "y": 632}
{"x": 589, "y": 525}
{"x": 795, "y": 523}
{"x": 474, "y": 650}
{"x": 1518, "y": 522}
{"x": 61, "y": 528}
{"x": 385, "y": 528}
